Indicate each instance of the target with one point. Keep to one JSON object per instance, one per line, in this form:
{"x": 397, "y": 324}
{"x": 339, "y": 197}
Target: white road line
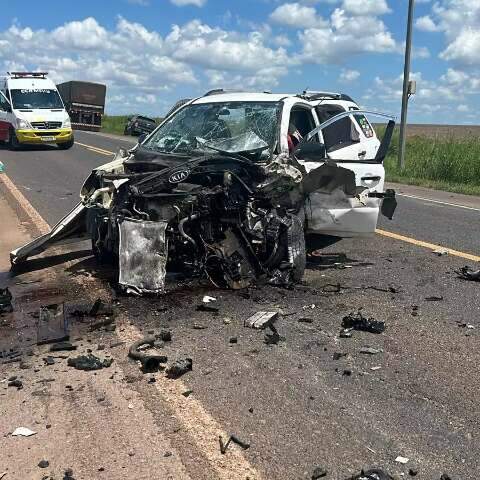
{"x": 439, "y": 202}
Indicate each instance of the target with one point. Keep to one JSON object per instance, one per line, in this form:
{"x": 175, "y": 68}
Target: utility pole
{"x": 406, "y": 83}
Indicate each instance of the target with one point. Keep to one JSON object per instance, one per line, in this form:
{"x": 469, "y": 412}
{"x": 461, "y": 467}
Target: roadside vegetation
{"x": 444, "y": 163}
{"x": 116, "y": 123}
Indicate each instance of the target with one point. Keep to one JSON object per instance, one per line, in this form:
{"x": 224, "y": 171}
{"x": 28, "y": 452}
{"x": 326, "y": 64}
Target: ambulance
{"x": 32, "y": 111}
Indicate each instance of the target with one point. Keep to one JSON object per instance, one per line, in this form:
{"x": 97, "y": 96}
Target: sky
{"x": 150, "y": 53}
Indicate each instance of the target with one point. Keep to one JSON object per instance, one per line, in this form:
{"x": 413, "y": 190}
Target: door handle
{"x": 372, "y": 178}
{"x": 362, "y": 153}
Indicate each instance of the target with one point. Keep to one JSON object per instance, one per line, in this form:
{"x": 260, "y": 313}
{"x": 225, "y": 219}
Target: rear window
{"x": 364, "y": 124}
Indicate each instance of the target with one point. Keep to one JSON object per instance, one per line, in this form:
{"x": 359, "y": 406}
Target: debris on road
{"x": 434, "y": 298}
{"x": 440, "y": 252}
{"x": 52, "y": 324}
{"x": 374, "y": 369}
{"x": 43, "y": 463}
{"x": 5, "y": 301}
{"x": 179, "y": 368}
{"x": 49, "y": 360}
{"x": 207, "y": 299}
{"x": 468, "y": 273}
{"x": 402, "y": 460}
{"x": 234, "y": 439}
{"x": 319, "y": 472}
{"x": 150, "y": 362}
{"x": 62, "y": 346}
{"x": 15, "y": 383}
{"x": 261, "y": 320}
{"x": 203, "y": 307}
{"x": 272, "y": 338}
{"x": 373, "y": 474}
{"x": 23, "y": 432}
{"x": 89, "y": 362}
{"x": 165, "y": 335}
{"x": 358, "y": 322}
{"x": 371, "y": 350}
{"x": 346, "y": 333}
{"x": 305, "y": 320}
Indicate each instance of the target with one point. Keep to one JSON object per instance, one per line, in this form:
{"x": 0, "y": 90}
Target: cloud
{"x": 143, "y": 3}
{"x": 346, "y": 36}
{"x": 183, "y": 3}
{"x": 365, "y": 7}
{"x": 296, "y": 15}
{"x": 348, "y": 76}
{"x": 426, "y": 24}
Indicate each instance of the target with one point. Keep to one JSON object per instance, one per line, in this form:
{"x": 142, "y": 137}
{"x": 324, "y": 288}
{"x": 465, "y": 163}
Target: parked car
{"x": 226, "y": 187}
{"x": 138, "y": 125}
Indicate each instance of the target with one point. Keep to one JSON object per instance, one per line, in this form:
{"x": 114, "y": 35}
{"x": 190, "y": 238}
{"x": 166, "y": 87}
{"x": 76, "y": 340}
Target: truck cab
{"x": 32, "y": 111}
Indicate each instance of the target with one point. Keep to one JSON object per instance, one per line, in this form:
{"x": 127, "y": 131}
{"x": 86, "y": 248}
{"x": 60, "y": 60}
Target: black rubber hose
{"x": 150, "y": 363}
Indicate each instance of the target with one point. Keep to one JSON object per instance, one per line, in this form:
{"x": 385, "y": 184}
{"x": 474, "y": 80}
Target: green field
{"x": 445, "y": 163}
{"x": 450, "y": 163}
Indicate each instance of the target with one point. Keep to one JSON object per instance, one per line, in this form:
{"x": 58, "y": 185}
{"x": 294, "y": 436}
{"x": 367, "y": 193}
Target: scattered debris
{"x": 347, "y": 373}
{"x": 261, "y": 320}
{"x": 358, "y": 322}
{"x": 434, "y": 298}
{"x": 309, "y": 307}
{"x": 469, "y": 326}
{"x": 187, "y": 393}
{"x": 107, "y": 323}
{"x": 373, "y": 474}
{"x": 468, "y": 273}
{"x": 68, "y": 475}
{"x": 346, "y": 333}
{"x": 5, "y": 301}
{"x": 413, "y": 472}
{"x": 150, "y": 362}
{"x": 305, "y": 320}
{"x": 227, "y": 321}
{"x": 402, "y": 460}
{"x": 49, "y": 360}
{"x": 165, "y": 335}
{"x": 179, "y": 368}
{"x": 207, "y": 299}
{"x": 371, "y": 350}
{"x": 319, "y": 472}
{"x": 374, "y": 369}
{"x": 441, "y": 252}
{"x": 15, "y": 383}
{"x": 43, "y": 463}
{"x": 23, "y": 432}
{"x": 233, "y": 340}
{"x": 445, "y": 477}
{"x": 62, "y": 346}
{"x": 101, "y": 308}
{"x": 338, "y": 355}
{"x": 52, "y": 324}
{"x": 207, "y": 308}
{"x": 89, "y": 362}
{"x": 116, "y": 344}
{"x": 234, "y": 439}
{"x": 272, "y": 338}
{"x": 199, "y": 326}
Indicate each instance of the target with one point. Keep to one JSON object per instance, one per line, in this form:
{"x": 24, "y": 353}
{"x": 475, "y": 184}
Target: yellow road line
{"x": 25, "y": 205}
{"x": 432, "y": 246}
{"x": 96, "y": 149}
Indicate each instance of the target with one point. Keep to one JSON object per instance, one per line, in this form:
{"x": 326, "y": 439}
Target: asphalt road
{"x": 312, "y": 400}
{"x": 50, "y": 179}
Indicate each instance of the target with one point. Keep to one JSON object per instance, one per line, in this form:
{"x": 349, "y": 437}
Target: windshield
{"x": 232, "y": 127}
{"x": 35, "y": 98}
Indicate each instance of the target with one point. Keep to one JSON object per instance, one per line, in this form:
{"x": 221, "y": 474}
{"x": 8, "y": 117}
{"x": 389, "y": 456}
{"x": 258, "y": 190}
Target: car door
{"x": 336, "y": 213}
{"x": 5, "y": 117}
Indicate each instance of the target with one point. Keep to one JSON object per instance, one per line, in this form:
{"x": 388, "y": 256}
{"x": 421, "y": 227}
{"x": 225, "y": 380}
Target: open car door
{"x": 341, "y": 213}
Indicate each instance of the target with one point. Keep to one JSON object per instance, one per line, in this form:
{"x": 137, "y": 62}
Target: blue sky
{"x": 152, "y": 52}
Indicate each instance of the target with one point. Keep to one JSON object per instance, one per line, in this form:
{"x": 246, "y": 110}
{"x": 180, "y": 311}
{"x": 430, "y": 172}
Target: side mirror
{"x": 313, "y": 151}
{"x": 142, "y": 137}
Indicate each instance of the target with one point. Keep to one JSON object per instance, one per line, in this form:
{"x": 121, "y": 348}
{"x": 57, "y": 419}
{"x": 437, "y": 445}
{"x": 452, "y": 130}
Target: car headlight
{"x": 67, "y": 123}
{"x": 22, "y": 124}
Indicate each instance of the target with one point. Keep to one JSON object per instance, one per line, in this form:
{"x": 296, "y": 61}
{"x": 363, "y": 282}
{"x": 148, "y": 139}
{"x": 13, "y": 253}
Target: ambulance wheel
{"x": 66, "y": 145}
{"x": 13, "y": 140}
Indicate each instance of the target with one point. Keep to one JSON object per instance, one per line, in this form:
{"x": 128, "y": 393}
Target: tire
{"x": 296, "y": 248}
{"x": 66, "y": 145}
{"x": 13, "y": 142}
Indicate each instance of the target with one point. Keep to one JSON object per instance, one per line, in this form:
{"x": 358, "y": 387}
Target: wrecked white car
{"x": 226, "y": 187}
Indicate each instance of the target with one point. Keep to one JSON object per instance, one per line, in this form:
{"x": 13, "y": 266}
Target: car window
{"x": 42, "y": 98}
{"x": 341, "y": 133}
{"x": 364, "y": 124}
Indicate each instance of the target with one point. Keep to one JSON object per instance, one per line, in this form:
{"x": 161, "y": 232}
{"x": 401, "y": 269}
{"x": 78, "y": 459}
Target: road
{"x": 312, "y": 400}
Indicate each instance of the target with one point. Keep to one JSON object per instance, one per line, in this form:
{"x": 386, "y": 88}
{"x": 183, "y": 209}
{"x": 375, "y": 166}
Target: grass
{"x": 116, "y": 123}
{"x": 444, "y": 163}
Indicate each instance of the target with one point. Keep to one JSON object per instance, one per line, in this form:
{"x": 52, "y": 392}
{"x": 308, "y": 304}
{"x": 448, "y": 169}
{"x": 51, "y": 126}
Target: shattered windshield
{"x": 232, "y": 127}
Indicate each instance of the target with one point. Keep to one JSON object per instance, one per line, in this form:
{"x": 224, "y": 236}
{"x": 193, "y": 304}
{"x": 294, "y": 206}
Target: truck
{"x": 85, "y": 103}
{"x": 32, "y": 112}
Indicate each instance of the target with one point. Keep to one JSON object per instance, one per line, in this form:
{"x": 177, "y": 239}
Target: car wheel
{"x": 66, "y": 145}
{"x": 13, "y": 140}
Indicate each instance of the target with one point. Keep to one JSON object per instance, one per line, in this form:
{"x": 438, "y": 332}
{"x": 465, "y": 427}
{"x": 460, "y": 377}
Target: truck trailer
{"x": 85, "y": 103}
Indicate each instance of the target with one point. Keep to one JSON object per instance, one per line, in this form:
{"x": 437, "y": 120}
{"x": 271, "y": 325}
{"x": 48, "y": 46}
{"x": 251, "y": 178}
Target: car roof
{"x": 241, "y": 97}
